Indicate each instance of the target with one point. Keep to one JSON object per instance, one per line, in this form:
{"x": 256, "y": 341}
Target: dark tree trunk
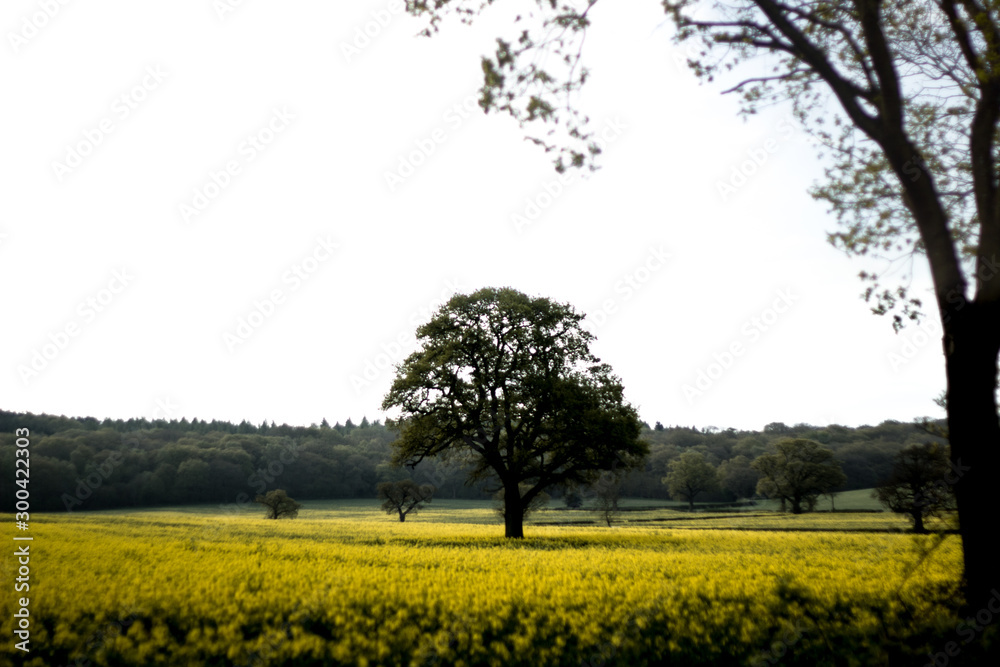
{"x": 972, "y": 342}
{"x": 796, "y": 506}
{"x": 690, "y": 503}
{"x": 513, "y": 512}
{"x": 513, "y": 524}
{"x": 918, "y": 520}
{"x": 402, "y": 515}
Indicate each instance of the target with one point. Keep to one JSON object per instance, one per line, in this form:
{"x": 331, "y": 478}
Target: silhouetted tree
{"x": 507, "y": 383}
{"x": 797, "y": 471}
{"x": 404, "y": 496}
{"x": 278, "y": 505}
{"x": 918, "y": 485}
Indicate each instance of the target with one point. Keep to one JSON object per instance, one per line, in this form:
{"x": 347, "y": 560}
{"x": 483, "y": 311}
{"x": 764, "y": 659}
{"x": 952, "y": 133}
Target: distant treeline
{"x": 85, "y": 463}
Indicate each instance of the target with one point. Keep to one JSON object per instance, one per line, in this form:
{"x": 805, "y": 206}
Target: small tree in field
{"x": 918, "y": 484}
{"x": 607, "y": 491}
{"x": 278, "y": 505}
{"x": 689, "y": 475}
{"x": 404, "y": 496}
{"x": 797, "y": 471}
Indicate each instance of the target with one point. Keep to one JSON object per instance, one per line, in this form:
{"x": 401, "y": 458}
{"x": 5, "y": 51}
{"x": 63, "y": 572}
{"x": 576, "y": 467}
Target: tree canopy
{"x": 690, "y": 475}
{"x": 920, "y": 484}
{"x": 798, "y": 471}
{"x": 404, "y": 496}
{"x": 277, "y": 505}
{"x": 506, "y": 383}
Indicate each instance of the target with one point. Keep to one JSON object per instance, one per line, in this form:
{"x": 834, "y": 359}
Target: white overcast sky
{"x": 117, "y": 300}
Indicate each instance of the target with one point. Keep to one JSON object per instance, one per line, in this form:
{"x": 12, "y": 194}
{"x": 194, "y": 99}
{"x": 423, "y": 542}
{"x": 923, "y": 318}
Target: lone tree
{"x": 798, "y": 471}
{"x": 507, "y": 384}
{"x": 689, "y": 475}
{"x": 277, "y": 505}
{"x": 607, "y": 490}
{"x": 919, "y": 484}
{"x": 404, "y": 496}
{"x": 905, "y": 94}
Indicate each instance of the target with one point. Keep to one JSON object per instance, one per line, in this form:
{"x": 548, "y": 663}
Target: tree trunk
{"x": 918, "y": 520}
{"x": 402, "y": 515}
{"x": 690, "y": 504}
{"x": 972, "y": 342}
{"x": 513, "y": 523}
{"x": 513, "y": 512}
{"x": 796, "y": 505}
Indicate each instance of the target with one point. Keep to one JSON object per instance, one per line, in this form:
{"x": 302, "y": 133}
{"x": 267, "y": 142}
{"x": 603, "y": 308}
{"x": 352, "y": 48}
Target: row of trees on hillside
{"x": 85, "y": 463}
{"x": 795, "y": 471}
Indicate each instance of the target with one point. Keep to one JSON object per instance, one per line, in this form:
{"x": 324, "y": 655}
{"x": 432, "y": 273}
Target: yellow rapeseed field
{"x": 173, "y": 588}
